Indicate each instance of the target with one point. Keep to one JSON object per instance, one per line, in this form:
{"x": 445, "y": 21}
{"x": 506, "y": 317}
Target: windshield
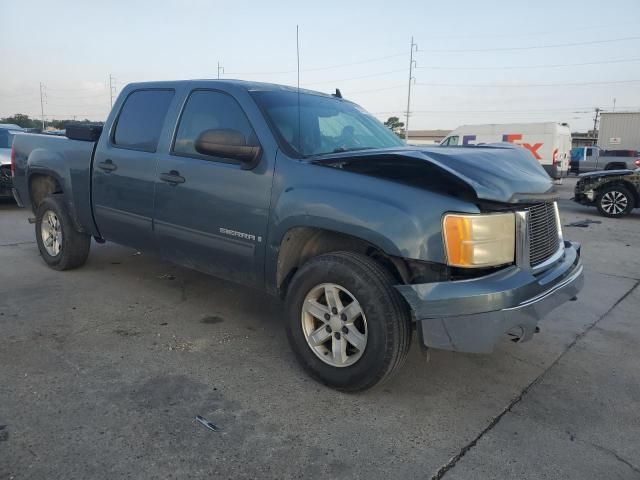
{"x": 328, "y": 125}
{"x": 6, "y": 137}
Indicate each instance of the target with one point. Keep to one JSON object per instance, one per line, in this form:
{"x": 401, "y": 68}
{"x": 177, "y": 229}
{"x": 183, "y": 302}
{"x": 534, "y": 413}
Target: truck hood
{"x": 606, "y": 173}
{"x": 498, "y": 173}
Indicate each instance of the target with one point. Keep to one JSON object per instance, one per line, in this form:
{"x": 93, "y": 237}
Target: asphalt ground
{"x": 103, "y": 370}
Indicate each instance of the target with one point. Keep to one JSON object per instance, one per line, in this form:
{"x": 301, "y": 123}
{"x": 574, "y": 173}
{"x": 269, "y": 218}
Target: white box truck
{"x": 548, "y": 142}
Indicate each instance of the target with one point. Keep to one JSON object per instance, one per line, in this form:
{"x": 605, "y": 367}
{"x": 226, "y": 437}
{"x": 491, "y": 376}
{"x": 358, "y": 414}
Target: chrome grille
{"x": 544, "y": 239}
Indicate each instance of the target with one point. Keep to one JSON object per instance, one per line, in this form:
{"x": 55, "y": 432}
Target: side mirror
{"x": 228, "y": 143}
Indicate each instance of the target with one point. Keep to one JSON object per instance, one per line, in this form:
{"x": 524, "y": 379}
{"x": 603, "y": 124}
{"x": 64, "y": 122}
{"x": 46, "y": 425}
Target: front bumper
{"x": 473, "y": 315}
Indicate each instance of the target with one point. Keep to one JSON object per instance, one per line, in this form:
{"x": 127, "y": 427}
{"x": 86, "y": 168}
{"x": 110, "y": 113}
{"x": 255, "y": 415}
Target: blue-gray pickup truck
{"x": 309, "y": 197}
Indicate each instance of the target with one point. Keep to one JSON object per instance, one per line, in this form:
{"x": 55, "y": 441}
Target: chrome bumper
{"x": 473, "y": 315}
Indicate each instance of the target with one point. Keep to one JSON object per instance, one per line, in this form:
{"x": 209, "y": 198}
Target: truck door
{"x": 124, "y": 169}
{"x": 590, "y": 160}
{"x": 210, "y": 214}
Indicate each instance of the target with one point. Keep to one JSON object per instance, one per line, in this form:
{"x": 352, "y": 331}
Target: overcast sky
{"x": 471, "y": 54}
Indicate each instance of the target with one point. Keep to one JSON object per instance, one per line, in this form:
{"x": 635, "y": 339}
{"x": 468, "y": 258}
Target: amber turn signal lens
{"x": 476, "y": 241}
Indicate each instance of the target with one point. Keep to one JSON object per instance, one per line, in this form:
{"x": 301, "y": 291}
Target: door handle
{"x": 107, "y": 166}
{"x": 172, "y": 178}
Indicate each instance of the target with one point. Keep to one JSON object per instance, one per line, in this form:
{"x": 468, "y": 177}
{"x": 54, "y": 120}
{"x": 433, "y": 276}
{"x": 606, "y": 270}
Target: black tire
{"x": 388, "y": 320}
{"x": 613, "y": 192}
{"x": 73, "y": 247}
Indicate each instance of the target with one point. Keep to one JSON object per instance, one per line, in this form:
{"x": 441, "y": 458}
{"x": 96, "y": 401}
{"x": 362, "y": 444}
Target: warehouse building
{"x": 619, "y": 131}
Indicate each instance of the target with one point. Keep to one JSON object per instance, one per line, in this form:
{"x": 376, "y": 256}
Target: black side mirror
{"x": 228, "y": 143}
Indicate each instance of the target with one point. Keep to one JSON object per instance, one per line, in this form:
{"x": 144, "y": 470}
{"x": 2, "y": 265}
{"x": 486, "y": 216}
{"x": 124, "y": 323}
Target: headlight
{"x": 475, "y": 241}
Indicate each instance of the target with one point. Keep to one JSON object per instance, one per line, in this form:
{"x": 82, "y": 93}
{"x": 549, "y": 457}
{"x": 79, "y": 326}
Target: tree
{"x": 395, "y": 125}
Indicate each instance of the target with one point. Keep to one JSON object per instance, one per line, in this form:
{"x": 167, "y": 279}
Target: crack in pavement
{"x": 463, "y": 451}
{"x": 615, "y": 454}
{"x": 16, "y": 244}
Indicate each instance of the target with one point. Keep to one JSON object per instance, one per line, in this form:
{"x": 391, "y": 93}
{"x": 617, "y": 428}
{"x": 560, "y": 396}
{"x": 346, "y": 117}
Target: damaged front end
{"x": 511, "y": 265}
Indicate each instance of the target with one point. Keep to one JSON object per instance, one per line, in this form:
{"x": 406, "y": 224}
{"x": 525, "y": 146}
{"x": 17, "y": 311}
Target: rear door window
{"x": 141, "y": 119}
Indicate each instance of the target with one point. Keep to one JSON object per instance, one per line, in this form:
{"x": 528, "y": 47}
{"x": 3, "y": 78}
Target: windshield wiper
{"x": 351, "y": 149}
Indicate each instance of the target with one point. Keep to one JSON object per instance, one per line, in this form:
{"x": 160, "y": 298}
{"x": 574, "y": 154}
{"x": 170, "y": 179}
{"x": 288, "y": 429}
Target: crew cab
{"x": 309, "y": 197}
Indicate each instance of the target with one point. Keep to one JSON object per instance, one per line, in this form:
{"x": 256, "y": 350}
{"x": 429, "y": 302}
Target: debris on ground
{"x": 167, "y": 276}
{"x": 206, "y": 423}
{"x": 582, "y": 223}
{"x": 180, "y": 345}
{"x": 136, "y": 253}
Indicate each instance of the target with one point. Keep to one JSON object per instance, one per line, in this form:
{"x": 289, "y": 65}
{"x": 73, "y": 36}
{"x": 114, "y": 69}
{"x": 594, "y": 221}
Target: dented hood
{"x": 499, "y": 173}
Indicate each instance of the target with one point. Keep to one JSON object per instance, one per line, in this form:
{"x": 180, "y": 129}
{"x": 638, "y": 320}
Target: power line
{"x": 531, "y": 33}
{"x": 327, "y": 67}
{"x": 518, "y": 85}
{"x": 531, "y": 47}
{"x": 516, "y": 67}
{"x": 380, "y": 74}
{"x": 414, "y": 47}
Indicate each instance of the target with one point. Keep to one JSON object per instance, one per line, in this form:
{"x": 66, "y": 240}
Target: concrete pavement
{"x": 103, "y": 369}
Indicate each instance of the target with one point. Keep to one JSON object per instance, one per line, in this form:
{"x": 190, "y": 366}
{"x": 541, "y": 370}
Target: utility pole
{"x": 42, "y": 105}
{"x": 595, "y": 125}
{"x": 414, "y": 47}
{"x": 112, "y": 89}
{"x": 220, "y": 70}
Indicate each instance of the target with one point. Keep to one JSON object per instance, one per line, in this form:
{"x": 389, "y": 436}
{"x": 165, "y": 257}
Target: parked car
{"x": 548, "y": 142}
{"x": 7, "y": 133}
{"x": 307, "y": 196}
{"x": 590, "y": 159}
{"x": 614, "y": 192}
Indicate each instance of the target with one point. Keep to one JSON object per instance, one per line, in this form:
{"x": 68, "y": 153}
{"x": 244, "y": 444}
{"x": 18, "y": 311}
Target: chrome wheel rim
{"x": 51, "y": 232}
{"x": 334, "y": 325}
{"x": 614, "y": 202}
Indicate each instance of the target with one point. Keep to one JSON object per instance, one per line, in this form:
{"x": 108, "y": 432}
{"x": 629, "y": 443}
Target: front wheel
{"x": 61, "y": 246}
{"x": 347, "y": 324}
{"x": 615, "y": 201}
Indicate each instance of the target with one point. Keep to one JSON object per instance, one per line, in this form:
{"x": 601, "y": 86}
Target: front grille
{"x": 544, "y": 240}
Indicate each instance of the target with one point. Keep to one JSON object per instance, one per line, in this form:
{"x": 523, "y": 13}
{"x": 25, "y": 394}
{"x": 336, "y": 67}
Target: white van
{"x": 548, "y": 142}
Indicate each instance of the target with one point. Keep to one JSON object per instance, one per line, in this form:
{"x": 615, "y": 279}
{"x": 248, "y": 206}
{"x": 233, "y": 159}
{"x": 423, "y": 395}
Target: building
{"x": 584, "y": 139}
{"x": 619, "y": 131}
{"x": 427, "y": 137}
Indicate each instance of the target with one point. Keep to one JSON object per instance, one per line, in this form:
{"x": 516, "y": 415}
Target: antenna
{"x": 298, "y": 65}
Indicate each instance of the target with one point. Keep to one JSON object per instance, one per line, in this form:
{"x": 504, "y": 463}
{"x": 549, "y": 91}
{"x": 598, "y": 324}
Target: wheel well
{"x": 302, "y": 243}
{"x": 40, "y": 186}
{"x": 628, "y": 185}
{"x": 615, "y": 166}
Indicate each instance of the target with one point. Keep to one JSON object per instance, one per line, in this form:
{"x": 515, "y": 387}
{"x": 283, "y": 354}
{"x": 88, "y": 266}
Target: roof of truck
{"x": 244, "y": 84}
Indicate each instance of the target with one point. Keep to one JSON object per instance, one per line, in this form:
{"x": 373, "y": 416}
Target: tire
{"x": 61, "y": 246}
{"x": 615, "y": 201}
{"x": 373, "y": 308}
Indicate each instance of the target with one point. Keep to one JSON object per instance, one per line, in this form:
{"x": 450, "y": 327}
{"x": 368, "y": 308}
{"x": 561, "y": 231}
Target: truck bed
{"x": 69, "y": 160}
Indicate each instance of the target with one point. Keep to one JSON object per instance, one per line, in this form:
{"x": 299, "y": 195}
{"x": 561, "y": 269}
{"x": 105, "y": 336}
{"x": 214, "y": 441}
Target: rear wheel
{"x": 347, "y": 324}
{"x": 615, "y": 201}
{"x": 61, "y": 246}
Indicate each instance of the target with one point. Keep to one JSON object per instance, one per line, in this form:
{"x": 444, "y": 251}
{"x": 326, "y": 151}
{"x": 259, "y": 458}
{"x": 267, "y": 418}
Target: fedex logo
{"x": 511, "y": 138}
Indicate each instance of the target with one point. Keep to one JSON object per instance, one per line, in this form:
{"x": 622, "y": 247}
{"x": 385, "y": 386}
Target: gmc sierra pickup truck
{"x": 309, "y": 197}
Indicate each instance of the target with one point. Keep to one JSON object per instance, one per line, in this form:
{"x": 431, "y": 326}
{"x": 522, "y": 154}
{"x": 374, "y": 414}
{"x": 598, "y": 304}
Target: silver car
{"x": 7, "y": 132}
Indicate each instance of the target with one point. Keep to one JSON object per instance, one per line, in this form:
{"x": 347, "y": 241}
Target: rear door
{"x": 210, "y": 215}
{"x": 124, "y": 169}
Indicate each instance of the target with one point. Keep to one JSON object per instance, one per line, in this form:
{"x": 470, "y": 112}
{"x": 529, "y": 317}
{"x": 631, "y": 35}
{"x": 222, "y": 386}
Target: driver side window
{"x": 207, "y": 110}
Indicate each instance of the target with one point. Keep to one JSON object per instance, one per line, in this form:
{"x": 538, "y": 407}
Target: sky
{"x": 476, "y": 62}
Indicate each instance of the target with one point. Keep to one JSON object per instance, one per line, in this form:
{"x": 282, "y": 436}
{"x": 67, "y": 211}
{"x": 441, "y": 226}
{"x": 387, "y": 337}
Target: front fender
{"x": 398, "y": 219}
